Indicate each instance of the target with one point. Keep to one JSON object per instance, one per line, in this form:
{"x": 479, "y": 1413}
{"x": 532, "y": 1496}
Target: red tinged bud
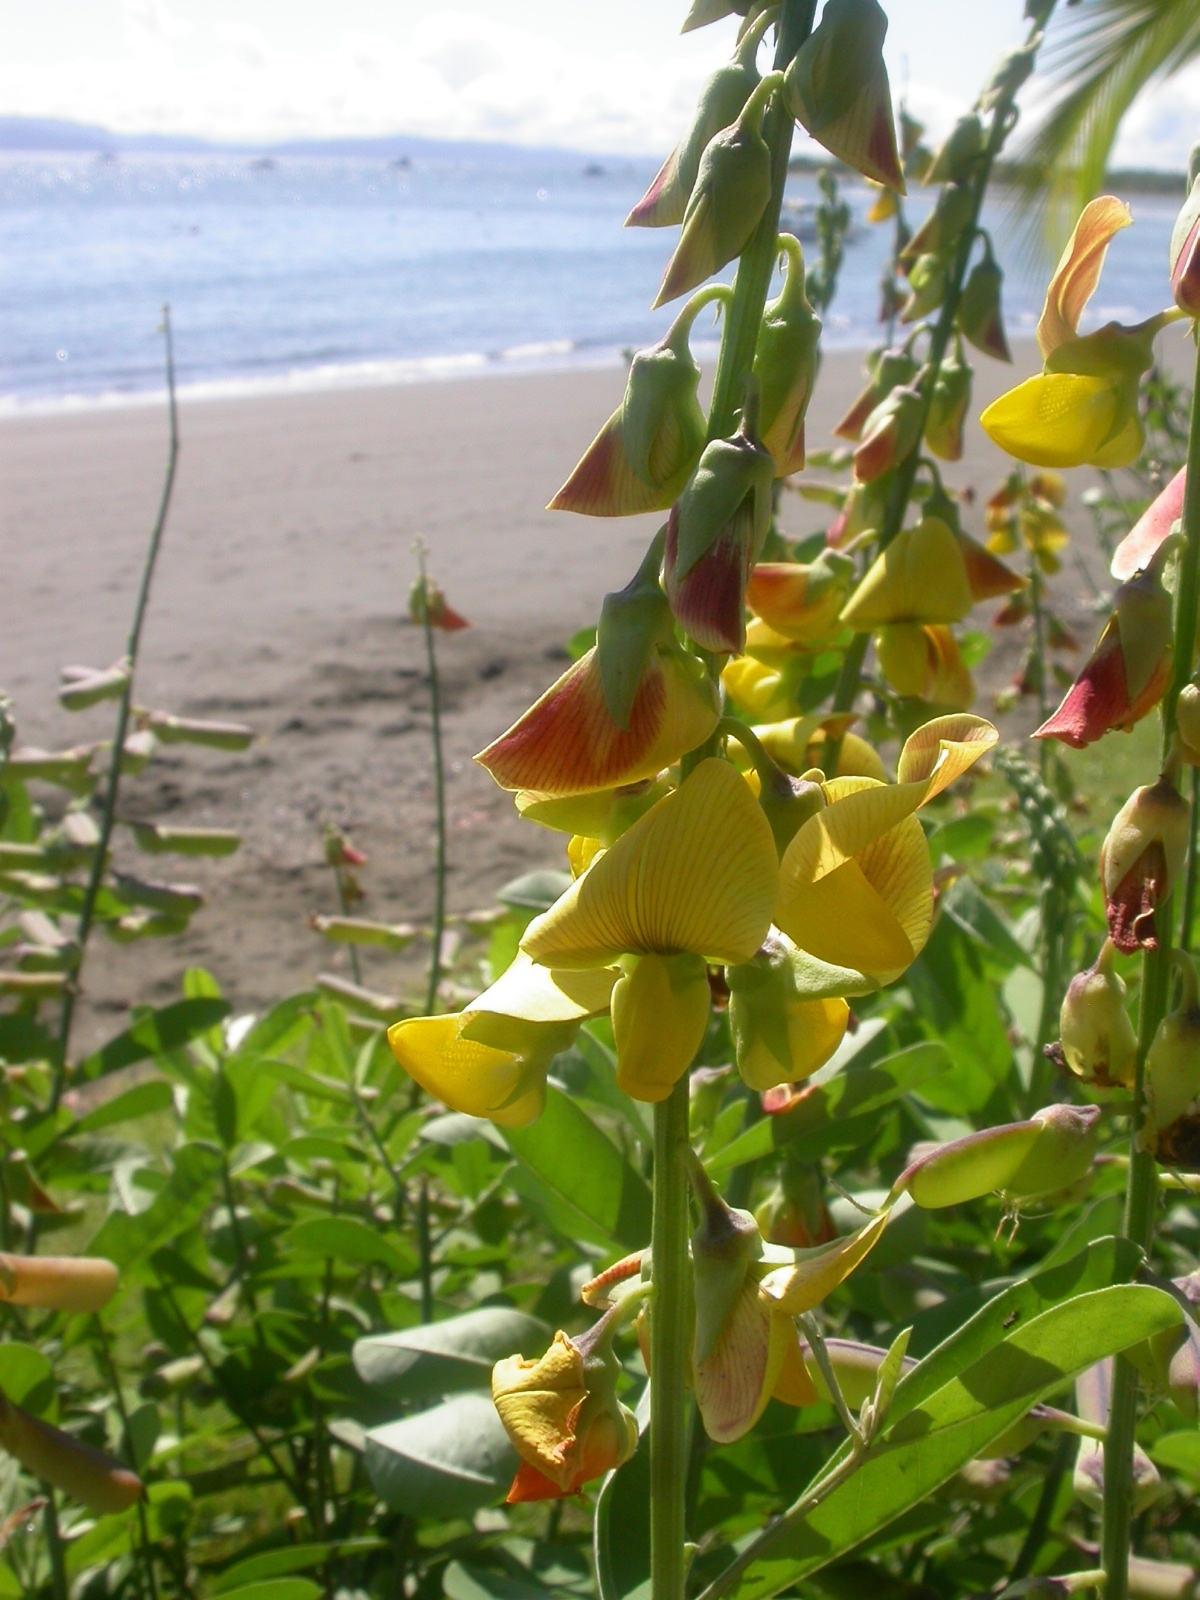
{"x": 733, "y": 186}
{"x": 893, "y": 368}
{"x": 1185, "y": 254}
{"x": 954, "y": 160}
{"x": 1173, "y": 1060}
{"x": 785, "y": 364}
{"x": 948, "y": 406}
{"x": 891, "y": 432}
{"x": 427, "y": 603}
{"x": 1141, "y": 860}
{"x": 979, "y": 315}
{"x": 1139, "y": 546}
{"x": 927, "y": 288}
{"x": 1126, "y": 674}
{"x": 987, "y": 576}
{"x": 721, "y": 101}
{"x": 837, "y": 88}
{"x": 940, "y": 230}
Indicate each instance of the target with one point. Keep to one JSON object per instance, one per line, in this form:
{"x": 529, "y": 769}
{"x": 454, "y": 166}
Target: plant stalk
{"x": 54, "y": 1544}
{"x": 87, "y": 910}
{"x": 1142, "y": 1183}
{"x": 1189, "y": 886}
{"x": 439, "y": 788}
{"x": 669, "y": 1325}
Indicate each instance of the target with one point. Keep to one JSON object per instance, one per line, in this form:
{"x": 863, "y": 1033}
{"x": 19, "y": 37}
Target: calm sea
{"x": 308, "y": 271}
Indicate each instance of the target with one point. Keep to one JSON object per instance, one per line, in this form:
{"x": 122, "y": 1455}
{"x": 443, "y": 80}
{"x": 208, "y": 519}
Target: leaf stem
{"x": 87, "y": 910}
{"x": 669, "y": 1325}
{"x": 439, "y": 785}
{"x": 1142, "y": 1185}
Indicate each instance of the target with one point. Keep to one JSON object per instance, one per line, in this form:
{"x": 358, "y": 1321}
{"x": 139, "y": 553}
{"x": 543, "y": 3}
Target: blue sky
{"x": 592, "y": 74}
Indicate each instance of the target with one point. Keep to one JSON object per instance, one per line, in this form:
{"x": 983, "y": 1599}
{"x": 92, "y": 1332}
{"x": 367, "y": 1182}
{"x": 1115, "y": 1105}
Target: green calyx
{"x": 953, "y": 161}
{"x": 731, "y": 472}
{"x": 724, "y": 1247}
{"x": 633, "y": 620}
{"x": 785, "y": 358}
{"x": 662, "y": 425}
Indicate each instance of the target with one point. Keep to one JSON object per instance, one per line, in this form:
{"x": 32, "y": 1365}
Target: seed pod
{"x": 732, "y": 188}
{"x": 192, "y": 730}
{"x": 721, "y": 101}
{"x": 963, "y": 146}
{"x": 785, "y": 364}
{"x": 1185, "y": 254}
{"x": 157, "y": 838}
{"x": 87, "y": 686}
{"x": 1140, "y": 861}
{"x": 837, "y": 88}
{"x": 1173, "y": 1060}
{"x": 77, "y": 1284}
{"x": 1096, "y": 1036}
{"x": 86, "y": 1475}
{"x": 1023, "y": 1161}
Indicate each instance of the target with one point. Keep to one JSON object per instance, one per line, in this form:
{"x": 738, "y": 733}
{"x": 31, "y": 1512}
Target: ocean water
{"x": 307, "y": 271}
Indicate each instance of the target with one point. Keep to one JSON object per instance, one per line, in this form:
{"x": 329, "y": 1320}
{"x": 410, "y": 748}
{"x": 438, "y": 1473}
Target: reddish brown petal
{"x": 987, "y": 576}
{"x": 530, "y": 1484}
{"x": 1098, "y": 699}
{"x": 1136, "y": 549}
{"x": 1132, "y": 904}
{"x": 708, "y": 600}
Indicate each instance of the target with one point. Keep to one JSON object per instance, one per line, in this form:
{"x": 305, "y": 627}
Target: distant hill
{"x": 48, "y": 134}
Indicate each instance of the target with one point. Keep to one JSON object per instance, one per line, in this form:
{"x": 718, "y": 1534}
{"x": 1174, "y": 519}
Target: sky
{"x": 597, "y": 75}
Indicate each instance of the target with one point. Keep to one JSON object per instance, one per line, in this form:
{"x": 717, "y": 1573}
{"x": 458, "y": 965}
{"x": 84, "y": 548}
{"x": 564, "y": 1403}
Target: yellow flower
{"x": 798, "y": 744}
{"x": 695, "y": 877}
{"x": 491, "y": 1060}
{"x": 856, "y": 882}
{"x": 787, "y": 1013}
{"x": 920, "y": 577}
{"x": 1082, "y": 408}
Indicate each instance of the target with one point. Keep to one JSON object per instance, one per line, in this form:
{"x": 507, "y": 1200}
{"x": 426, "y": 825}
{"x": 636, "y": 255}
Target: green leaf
{"x": 144, "y": 1100}
{"x": 463, "y": 1582}
{"x": 446, "y": 1462}
{"x": 979, "y": 919}
{"x": 142, "y": 1434}
{"x": 345, "y": 1239}
{"x": 27, "y": 1378}
{"x": 155, "y": 1033}
{"x": 178, "y": 1206}
{"x": 927, "y": 1444}
{"x": 1179, "y": 1452}
{"x": 579, "y": 1181}
{"x": 279, "y": 1563}
{"x": 440, "y": 1358}
{"x": 622, "y": 1534}
{"x": 956, "y": 999}
{"x": 853, "y": 1092}
{"x": 277, "y": 1589}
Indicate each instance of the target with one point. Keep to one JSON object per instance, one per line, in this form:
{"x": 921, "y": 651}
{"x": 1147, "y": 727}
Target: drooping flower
{"x": 568, "y": 741}
{"x": 1137, "y": 549}
{"x": 721, "y": 101}
{"x": 948, "y": 406}
{"x": 562, "y": 1414}
{"x": 979, "y": 313}
{"x": 785, "y": 364}
{"x": 920, "y": 577}
{"x": 837, "y": 88}
{"x": 923, "y": 660}
{"x": 1082, "y": 409}
{"x": 648, "y": 448}
{"x": 890, "y": 433}
{"x": 427, "y": 601}
{"x": 695, "y": 877}
{"x": 491, "y": 1060}
{"x": 801, "y": 601}
{"x": 856, "y": 882}
{"x": 1140, "y": 861}
{"x": 1125, "y": 675}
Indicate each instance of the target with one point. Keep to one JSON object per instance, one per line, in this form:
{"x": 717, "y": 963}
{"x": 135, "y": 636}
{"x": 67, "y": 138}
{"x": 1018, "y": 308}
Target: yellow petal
{"x": 532, "y": 994}
{"x": 659, "y": 1016}
{"x": 761, "y": 690}
{"x": 920, "y": 577}
{"x": 538, "y": 1401}
{"x": 857, "y": 812}
{"x": 601, "y": 814}
{"x": 604, "y": 483}
{"x": 567, "y": 743}
{"x": 815, "y": 1028}
{"x": 1058, "y": 419}
{"x": 794, "y": 1386}
{"x": 844, "y": 920}
{"x": 733, "y": 1386}
{"x": 1124, "y": 449}
{"x": 698, "y": 873}
{"x": 1078, "y": 271}
{"x": 467, "y": 1076}
{"x": 941, "y": 750}
{"x": 815, "y": 1274}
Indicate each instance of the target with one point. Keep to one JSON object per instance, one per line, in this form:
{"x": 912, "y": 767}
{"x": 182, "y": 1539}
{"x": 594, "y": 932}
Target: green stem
{"x": 108, "y": 1371}
{"x": 1142, "y": 1184}
{"x": 108, "y": 818}
{"x": 1039, "y": 655}
{"x": 669, "y": 1325}
{"x": 439, "y": 783}
{"x": 355, "y": 968}
{"x": 425, "y": 1251}
{"x": 54, "y": 1544}
{"x": 1039, "y": 1523}
{"x": 1189, "y": 887}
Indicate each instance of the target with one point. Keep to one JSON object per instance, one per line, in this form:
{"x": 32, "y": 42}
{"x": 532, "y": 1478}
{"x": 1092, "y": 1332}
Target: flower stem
{"x": 108, "y": 817}
{"x": 1142, "y": 1184}
{"x": 669, "y": 1325}
{"x": 439, "y": 787}
{"x": 1189, "y": 887}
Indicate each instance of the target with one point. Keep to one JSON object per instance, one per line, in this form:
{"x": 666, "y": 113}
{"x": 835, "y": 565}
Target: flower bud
{"x": 893, "y": 368}
{"x": 837, "y": 88}
{"x": 660, "y": 1008}
{"x": 890, "y": 433}
{"x": 714, "y": 534}
{"x": 862, "y": 512}
{"x": 761, "y": 689}
{"x": 1096, "y": 1037}
{"x": 926, "y": 288}
{"x": 1140, "y": 860}
{"x": 427, "y": 603}
{"x": 1022, "y": 1161}
{"x": 721, "y": 101}
{"x": 786, "y": 1011}
{"x": 795, "y": 1214}
{"x": 724, "y": 1245}
{"x": 1173, "y": 1060}
{"x": 562, "y": 1414}
{"x": 979, "y": 314}
{"x": 941, "y": 229}
{"x": 948, "y": 407}
{"x": 87, "y": 1475}
{"x": 1126, "y": 674}
{"x": 987, "y": 577}
{"x": 785, "y": 364}
{"x": 953, "y": 161}
{"x": 1185, "y": 254}
{"x": 801, "y": 602}
{"x": 920, "y": 577}
{"x": 733, "y": 185}
{"x": 645, "y": 453}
